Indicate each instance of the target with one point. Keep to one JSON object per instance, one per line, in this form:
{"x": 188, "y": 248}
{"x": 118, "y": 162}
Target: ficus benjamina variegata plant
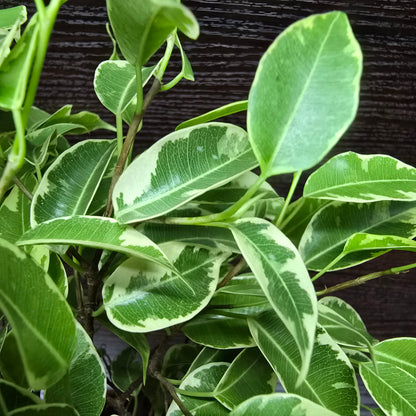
{"x": 184, "y": 245}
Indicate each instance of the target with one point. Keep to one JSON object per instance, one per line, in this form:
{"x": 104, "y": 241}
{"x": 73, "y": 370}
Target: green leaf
{"x": 141, "y": 296}
{"x": 96, "y": 232}
{"x": 45, "y": 410}
{"x": 141, "y": 33}
{"x": 10, "y": 21}
{"x": 15, "y": 70}
{"x": 86, "y": 373}
{"x": 126, "y": 368}
{"x": 15, "y": 396}
{"x": 399, "y": 352}
{"x": 69, "y": 184}
{"x": 115, "y": 84}
{"x": 343, "y": 323}
{"x": 41, "y": 319}
{"x": 377, "y": 412}
{"x": 210, "y": 355}
{"x": 222, "y": 111}
{"x": 281, "y": 404}
{"x": 330, "y": 228}
{"x": 392, "y": 388}
{"x": 179, "y": 167}
{"x": 248, "y": 375}
{"x": 352, "y": 177}
{"x": 15, "y": 212}
{"x": 204, "y": 379}
{"x": 283, "y": 277}
{"x": 178, "y": 359}
{"x": 219, "y": 331}
{"x": 330, "y": 382}
{"x": 305, "y": 93}
{"x": 58, "y": 273}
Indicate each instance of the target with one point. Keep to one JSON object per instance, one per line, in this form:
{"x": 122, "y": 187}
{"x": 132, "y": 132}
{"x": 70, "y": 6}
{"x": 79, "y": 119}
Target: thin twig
{"x": 233, "y": 272}
{"x": 23, "y": 188}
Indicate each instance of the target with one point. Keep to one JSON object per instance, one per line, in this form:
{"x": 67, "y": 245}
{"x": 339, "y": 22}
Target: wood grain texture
{"x": 234, "y": 34}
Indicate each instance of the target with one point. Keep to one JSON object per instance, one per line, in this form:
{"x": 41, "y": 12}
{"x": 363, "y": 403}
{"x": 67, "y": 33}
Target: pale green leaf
{"x": 330, "y": 228}
{"x": 248, "y": 375}
{"x": 364, "y": 241}
{"x": 45, "y": 410}
{"x": 352, "y": 177}
{"x": 179, "y": 167}
{"x": 330, "y": 381}
{"x": 305, "y": 93}
{"x": 141, "y": 296}
{"x": 222, "y": 111}
{"x": 219, "y": 331}
{"x": 69, "y": 184}
{"x": 392, "y": 388}
{"x": 10, "y": 21}
{"x": 97, "y": 232}
{"x": 400, "y": 352}
{"x": 283, "y": 277}
{"x": 84, "y": 385}
{"x": 41, "y": 319}
{"x": 141, "y": 28}
{"x": 281, "y": 404}
{"x": 343, "y": 323}
{"x": 204, "y": 379}
{"x": 126, "y": 368}
{"x": 15, "y": 70}
{"x": 15, "y": 396}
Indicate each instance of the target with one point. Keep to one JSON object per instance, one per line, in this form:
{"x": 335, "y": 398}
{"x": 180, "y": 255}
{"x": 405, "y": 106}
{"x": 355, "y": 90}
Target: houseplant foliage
{"x": 186, "y": 240}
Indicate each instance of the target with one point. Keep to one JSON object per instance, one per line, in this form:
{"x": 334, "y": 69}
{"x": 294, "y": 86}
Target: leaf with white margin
{"x": 218, "y": 331}
{"x": 281, "y": 404}
{"x": 248, "y": 375}
{"x": 96, "y": 232}
{"x": 69, "y": 184}
{"x": 343, "y": 323}
{"x": 304, "y": 94}
{"x": 330, "y": 381}
{"x": 204, "y": 379}
{"x": 42, "y": 320}
{"x": 400, "y": 352}
{"x": 352, "y": 177}
{"x": 392, "y": 388}
{"x": 141, "y": 296}
{"x": 179, "y": 167}
{"x": 283, "y": 277}
{"x": 84, "y": 386}
{"x": 330, "y": 228}
{"x": 45, "y": 410}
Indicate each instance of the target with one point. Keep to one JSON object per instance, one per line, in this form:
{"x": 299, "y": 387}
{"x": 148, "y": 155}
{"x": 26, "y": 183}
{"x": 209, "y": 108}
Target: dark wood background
{"x": 234, "y": 34}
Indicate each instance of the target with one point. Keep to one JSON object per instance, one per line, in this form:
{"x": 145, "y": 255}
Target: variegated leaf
{"x": 204, "y": 379}
{"x": 330, "y": 381}
{"x": 97, "y": 232}
{"x": 352, "y": 177}
{"x": 141, "y": 296}
{"x": 180, "y": 167}
{"x": 283, "y": 277}
{"x": 305, "y": 93}
{"x": 330, "y": 228}
{"x": 280, "y": 404}
{"x": 70, "y": 183}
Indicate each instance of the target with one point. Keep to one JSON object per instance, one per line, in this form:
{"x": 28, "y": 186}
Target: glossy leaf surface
{"x": 84, "y": 385}
{"x": 284, "y": 404}
{"x": 304, "y": 94}
{"x": 330, "y": 228}
{"x": 283, "y": 277}
{"x": 98, "y": 232}
{"x": 352, "y": 177}
{"x": 42, "y": 320}
{"x": 69, "y": 185}
{"x": 45, "y": 410}
{"x": 179, "y": 167}
{"x": 141, "y": 296}
{"x": 330, "y": 381}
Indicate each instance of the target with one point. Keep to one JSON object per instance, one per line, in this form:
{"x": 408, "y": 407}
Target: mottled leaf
{"x": 352, "y": 177}
{"x": 305, "y": 93}
{"x": 179, "y": 167}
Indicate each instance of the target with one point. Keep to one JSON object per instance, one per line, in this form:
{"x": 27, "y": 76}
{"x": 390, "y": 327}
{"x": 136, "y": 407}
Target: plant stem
{"x": 280, "y": 218}
{"x": 131, "y": 134}
{"x": 119, "y": 124}
{"x": 71, "y": 263}
{"x": 327, "y": 267}
{"x": 23, "y": 188}
{"x": 233, "y": 272}
{"x": 363, "y": 279}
